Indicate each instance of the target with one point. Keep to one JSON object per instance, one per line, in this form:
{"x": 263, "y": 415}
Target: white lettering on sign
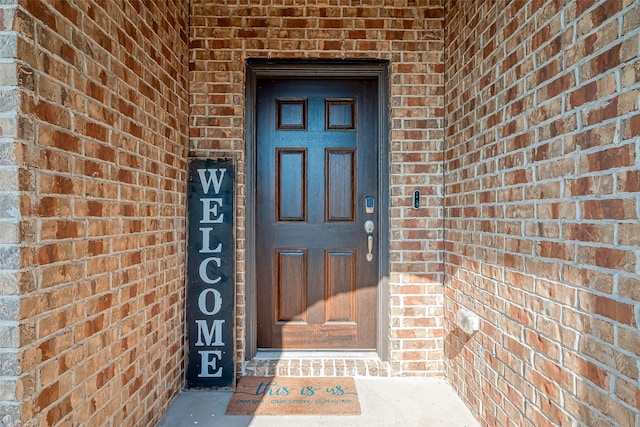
{"x": 208, "y": 366}
{"x": 217, "y": 301}
{"x": 208, "y": 210}
{"x": 214, "y": 179}
{"x": 203, "y": 270}
{"x": 206, "y": 242}
{"x": 209, "y": 334}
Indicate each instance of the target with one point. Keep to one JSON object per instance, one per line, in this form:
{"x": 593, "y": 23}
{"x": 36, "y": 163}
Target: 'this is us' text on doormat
{"x": 295, "y": 396}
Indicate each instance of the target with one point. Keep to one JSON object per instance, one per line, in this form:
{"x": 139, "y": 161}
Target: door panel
{"x": 292, "y": 285}
{"x": 291, "y": 197}
{"x": 341, "y": 286}
{"x": 340, "y": 185}
{"x": 316, "y": 163}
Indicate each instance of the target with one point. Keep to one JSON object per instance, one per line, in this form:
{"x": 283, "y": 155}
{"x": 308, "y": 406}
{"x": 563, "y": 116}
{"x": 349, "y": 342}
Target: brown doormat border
{"x": 295, "y": 396}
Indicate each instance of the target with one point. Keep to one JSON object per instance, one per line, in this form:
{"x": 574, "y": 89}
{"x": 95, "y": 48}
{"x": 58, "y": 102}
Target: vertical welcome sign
{"x": 210, "y": 273}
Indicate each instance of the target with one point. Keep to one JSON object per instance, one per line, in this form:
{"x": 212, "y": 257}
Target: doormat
{"x": 295, "y": 396}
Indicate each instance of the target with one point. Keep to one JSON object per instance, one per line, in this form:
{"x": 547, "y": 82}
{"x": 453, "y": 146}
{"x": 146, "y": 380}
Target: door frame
{"x": 266, "y": 68}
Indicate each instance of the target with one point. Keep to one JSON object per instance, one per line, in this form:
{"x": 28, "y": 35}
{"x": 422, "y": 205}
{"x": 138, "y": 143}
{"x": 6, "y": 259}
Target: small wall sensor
{"x": 467, "y": 321}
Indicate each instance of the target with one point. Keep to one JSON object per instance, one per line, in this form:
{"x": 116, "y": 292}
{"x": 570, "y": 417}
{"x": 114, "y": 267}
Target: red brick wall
{"x": 542, "y": 199}
{"x": 103, "y": 119}
{"x": 407, "y": 33}
{"x": 9, "y": 217}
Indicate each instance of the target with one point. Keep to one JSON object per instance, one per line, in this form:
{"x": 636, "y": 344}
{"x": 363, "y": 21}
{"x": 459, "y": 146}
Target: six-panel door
{"x": 317, "y": 162}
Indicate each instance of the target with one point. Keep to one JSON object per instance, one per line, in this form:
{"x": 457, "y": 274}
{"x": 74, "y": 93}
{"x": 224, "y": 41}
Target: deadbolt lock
{"x": 369, "y": 227}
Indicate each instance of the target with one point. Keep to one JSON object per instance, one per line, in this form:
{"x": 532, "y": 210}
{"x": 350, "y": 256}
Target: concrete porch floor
{"x": 407, "y": 402}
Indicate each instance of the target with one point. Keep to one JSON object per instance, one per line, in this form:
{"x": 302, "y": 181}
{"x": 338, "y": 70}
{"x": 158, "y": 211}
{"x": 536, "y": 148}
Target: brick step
{"x": 317, "y": 366}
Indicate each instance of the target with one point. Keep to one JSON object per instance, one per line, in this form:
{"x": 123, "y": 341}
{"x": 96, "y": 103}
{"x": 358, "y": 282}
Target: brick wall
{"x": 9, "y": 217}
{"x": 102, "y": 137}
{"x": 542, "y": 198}
{"x": 407, "y": 33}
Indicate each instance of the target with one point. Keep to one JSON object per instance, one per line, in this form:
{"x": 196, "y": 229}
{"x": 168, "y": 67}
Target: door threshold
{"x": 313, "y": 363}
{"x": 315, "y": 354}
